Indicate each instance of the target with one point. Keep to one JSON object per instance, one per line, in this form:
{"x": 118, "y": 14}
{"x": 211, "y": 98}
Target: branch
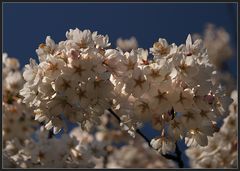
{"x": 50, "y": 134}
{"x": 105, "y": 161}
{"x": 176, "y": 158}
{"x": 114, "y": 114}
{"x": 179, "y": 159}
{"x": 144, "y": 137}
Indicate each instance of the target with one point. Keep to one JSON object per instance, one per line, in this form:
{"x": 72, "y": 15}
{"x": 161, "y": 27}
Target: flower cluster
{"x": 175, "y": 90}
{"x": 24, "y": 145}
{"x": 17, "y": 119}
{"x": 81, "y": 77}
{"x": 48, "y": 153}
{"x": 172, "y": 90}
{"x": 179, "y": 89}
{"x": 138, "y": 156}
{"x": 11, "y": 76}
{"x": 121, "y": 151}
{"x": 71, "y": 80}
{"x": 222, "y": 149}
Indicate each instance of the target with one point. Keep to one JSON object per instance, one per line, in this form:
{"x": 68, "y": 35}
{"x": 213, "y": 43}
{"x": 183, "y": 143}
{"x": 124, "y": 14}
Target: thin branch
{"x": 176, "y": 158}
{"x": 50, "y": 134}
{"x": 179, "y": 159}
{"x": 105, "y": 161}
{"x": 144, "y": 137}
{"x": 114, "y": 114}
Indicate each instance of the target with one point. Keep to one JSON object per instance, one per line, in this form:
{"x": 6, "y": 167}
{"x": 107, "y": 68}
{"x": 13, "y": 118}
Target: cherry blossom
{"x": 85, "y": 81}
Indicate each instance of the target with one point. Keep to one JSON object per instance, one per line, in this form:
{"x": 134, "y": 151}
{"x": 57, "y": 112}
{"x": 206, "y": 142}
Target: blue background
{"x": 26, "y": 25}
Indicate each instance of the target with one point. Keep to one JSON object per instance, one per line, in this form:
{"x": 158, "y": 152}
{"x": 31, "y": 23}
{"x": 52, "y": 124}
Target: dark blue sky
{"x": 26, "y": 25}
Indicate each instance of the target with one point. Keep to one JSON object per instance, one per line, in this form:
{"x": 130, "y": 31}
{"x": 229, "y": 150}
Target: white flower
{"x": 82, "y": 39}
{"x": 14, "y": 80}
{"x": 64, "y": 84}
{"x": 182, "y": 99}
{"x": 46, "y": 49}
{"x": 30, "y": 70}
{"x": 80, "y": 96}
{"x": 202, "y": 80}
{"x": 80, "y": 69}
{"x": 31, "y": 96}
{"x": 100, "y": 40}
{"x": 138, "y": 84}
{"x": 40, "y": 116}
{"x": 186, "y": 66}
{"x": 4, "y": 57}
{"x": 233, "y": 108}
{"x": 190, "y": 118}
{"x": 142, "y": 56}
{"x": 157, "y": 72}
{"x": 193, "y": 48}
{"x": 46, "y": 91}
{"x": 159, "y": 100}
{"x": 163, "y": 145}
{"x": 99, "y": 88}
{"x": 59, "y": 105}
{"x": 127, "y": 44}
{"x": 113, "y": 62}
{"x": 11, "y": 63}
{"x": 142, "y": 109}
{"x": 129, "y": 62}
{"x": 162, "y": 49}
{"x": 53, "y": 67}
{"x": 33, "y": 74}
